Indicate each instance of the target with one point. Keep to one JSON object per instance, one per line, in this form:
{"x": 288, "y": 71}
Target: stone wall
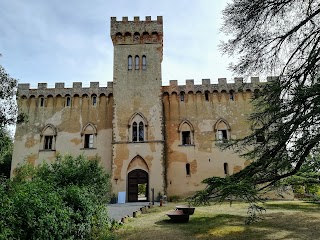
{"x": 49, "y": 107}
{"x": 201, "y": 109}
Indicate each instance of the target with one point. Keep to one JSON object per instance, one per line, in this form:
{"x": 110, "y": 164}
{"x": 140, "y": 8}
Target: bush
{"x": 64, "y": 200}
{"x": 174, "y": 198}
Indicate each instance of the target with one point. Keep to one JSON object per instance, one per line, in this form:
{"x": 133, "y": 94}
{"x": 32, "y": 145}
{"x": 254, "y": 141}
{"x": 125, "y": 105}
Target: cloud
{"x": 51, "y": 41}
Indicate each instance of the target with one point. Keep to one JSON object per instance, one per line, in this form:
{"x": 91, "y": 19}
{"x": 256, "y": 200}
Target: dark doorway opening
{"x": 138, "y": 181}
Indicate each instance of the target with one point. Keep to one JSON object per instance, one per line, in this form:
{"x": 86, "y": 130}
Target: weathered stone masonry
{"x": 161, "y": 136}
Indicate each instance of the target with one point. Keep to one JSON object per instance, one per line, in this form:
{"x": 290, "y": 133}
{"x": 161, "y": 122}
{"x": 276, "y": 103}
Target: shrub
{"x": 64, "y": 200}
{"x": 174, "y": 198}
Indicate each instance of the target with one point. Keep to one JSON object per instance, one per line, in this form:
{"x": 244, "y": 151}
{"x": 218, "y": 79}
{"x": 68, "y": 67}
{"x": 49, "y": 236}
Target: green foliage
{"x": 6, "y": 148}
{"x": 142, "y": 189}
{"x": 174, "y": 198}
{"x": 8, "y": 106}
{"x": 305, "y": 182}
{"x": 65, "y": 200}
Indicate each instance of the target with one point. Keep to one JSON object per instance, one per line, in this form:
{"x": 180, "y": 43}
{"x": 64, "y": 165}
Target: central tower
{"x": 138, "y": 140}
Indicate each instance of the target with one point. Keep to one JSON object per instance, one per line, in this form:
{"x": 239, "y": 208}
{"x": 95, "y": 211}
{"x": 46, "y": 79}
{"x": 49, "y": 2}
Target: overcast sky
{"x": 69, "y": 41}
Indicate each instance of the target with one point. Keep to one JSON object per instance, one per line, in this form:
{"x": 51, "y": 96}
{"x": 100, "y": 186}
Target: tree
{"x": 8, "y": 117}
{"x": 8, "y": 106}
{"x": 279, "y": 38}
{"x": 6, "y": 148}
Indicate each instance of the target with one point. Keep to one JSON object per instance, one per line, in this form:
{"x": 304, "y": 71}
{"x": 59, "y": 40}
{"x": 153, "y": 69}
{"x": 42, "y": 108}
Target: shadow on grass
{"x": 306, "y": 207}
{"x": 224, "y": 226}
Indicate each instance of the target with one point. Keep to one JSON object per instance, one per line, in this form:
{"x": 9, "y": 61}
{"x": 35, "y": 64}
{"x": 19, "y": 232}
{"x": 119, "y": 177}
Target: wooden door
{"x": 135, "y": 178}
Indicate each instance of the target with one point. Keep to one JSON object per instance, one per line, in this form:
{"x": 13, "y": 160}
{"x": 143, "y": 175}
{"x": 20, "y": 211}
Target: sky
{"x": 69, "y": 41}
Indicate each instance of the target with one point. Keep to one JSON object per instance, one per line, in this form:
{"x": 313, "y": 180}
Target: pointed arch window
{"x": 137, "y": 62}
{"x": 144, "y": 62}
{"x": 134, "y": 132}
{"x": 129, "y": 62}
{"x": 48, "y": 138}
{"x": 89, "y": 135}
{"x": 141, "y": 132}
{"x": 138, "y": 128}
{"x": 186, "y": 133}
{"x": 222, "y": 129}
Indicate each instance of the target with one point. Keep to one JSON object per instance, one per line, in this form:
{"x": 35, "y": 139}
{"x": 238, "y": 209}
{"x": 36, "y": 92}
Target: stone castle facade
{"x": 161, "y": 137}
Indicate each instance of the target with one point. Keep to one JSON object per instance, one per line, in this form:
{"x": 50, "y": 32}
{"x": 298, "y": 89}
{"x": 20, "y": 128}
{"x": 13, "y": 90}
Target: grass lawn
{"x": 282, "y": 220}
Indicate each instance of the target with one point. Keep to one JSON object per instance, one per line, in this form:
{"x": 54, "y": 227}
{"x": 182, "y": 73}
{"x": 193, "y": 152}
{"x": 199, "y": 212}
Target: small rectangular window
{"x": 231, "y": 96}
{"x": 94, "y": 100}
{"x": 42, "y": 102}
{"x": 226, "y": 168}
{"x": 186, "y": 140}
{"x": 137, "y": 62}
{"x": 88, "y": 141}
{"x": 188, "y": 169}
{"x": 48, "y": 142}
{"x": 68, "y": 101}
{"x": 206, "y": 94}
{"x": 144, "y": 63}
{"x": 129, "y": 63}
{"x": 182, "y": 97}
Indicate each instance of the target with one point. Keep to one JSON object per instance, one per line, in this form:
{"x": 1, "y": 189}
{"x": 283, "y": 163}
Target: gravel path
{"x": 119, "y": 210}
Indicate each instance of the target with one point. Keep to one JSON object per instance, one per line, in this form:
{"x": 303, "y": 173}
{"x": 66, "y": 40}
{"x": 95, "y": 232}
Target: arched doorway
{"x": 138, "y": 189}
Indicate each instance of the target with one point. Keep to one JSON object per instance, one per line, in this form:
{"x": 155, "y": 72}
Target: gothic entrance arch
{"x": 138, "y": 186}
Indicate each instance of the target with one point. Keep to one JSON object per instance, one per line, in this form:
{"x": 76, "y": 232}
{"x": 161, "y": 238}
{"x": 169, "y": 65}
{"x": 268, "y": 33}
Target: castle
{"x": 146, "y": 134}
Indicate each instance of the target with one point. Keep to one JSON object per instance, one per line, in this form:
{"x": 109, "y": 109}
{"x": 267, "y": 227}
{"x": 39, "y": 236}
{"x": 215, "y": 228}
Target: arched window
{"x": 137, "y": 62}
{"x": 129, "y": 62}
{"x": 144, "y": 62}
{"x": 141, "y": 132}
{"x": 206, "y": 95}
{"x": 134, "y": 132}
{"x": 68, "y": 101}
{"x": 48, "y": 138}
{"x": 222, "y": 129}
{"x": 89, "y": 134}
{"x": 137, "y": 128}
{"x": 186, "y": 133}
{"x": 226, "y": 169}
{"x": 138, "y": 134}
{"x": 188, "y": 169}
{"x": 182, "y": 96}
{"x": 41, "y": 101}
{"x": 94, "y": 100}
{"x": 231, "y": 95}
{"x": 136, "y": 37}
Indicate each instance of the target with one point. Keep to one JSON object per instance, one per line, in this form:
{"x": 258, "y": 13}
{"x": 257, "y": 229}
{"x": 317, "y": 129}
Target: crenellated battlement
{"x": 24, "y": 90}
{"x": 77, "y": 89}
{"x": 136, "y": 31}
{"x": 222, "y": 85}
